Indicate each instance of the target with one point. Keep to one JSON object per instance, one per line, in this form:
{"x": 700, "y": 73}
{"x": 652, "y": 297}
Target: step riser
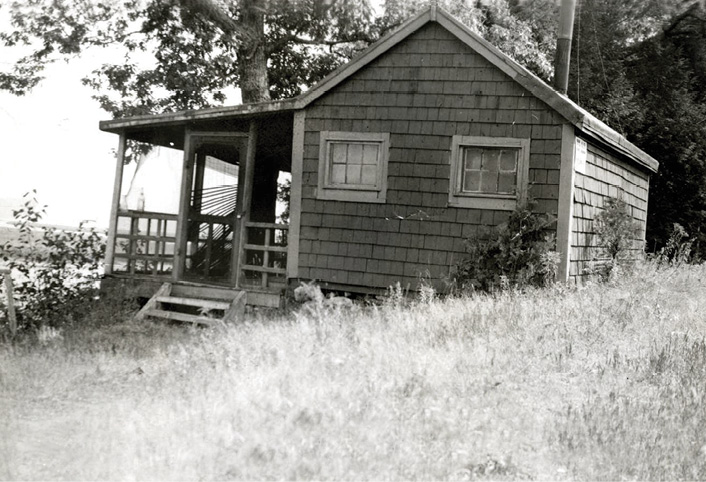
{"x": 198, "y": 303}
{"x": 204, "y": 292}
{"x": 174, "y": 316}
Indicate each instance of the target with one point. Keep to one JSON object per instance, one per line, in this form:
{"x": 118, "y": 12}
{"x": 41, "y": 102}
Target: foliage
{"x": 55, "y": 275}
{"x": 678, "y": 248}
{"x": 525, "y": 30}
{"x": 180, "y": 54}
{"x": 284, "y": 190}
{"x": 640, "y": 65}
{"x": 616, "y": 229}
{"x": 517, "y": 253}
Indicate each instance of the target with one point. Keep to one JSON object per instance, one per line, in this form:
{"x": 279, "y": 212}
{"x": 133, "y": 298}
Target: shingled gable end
{"x": 384, "y": 185}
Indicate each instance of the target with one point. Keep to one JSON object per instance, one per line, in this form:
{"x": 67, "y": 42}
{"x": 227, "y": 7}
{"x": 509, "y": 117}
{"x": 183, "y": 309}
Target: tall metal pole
{"x": 563, "y": 45}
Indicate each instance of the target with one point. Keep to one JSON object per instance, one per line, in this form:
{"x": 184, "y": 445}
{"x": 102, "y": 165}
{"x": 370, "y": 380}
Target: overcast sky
{"x": 51, "y": 143}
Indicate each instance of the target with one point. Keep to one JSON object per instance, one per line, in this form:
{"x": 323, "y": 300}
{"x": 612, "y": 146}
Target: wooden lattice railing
{"x": 264, "y": 255}
{"x": 145, "y": 243}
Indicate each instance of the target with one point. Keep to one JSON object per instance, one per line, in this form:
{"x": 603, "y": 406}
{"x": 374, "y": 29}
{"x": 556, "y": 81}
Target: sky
{"x": 51, "y": 143}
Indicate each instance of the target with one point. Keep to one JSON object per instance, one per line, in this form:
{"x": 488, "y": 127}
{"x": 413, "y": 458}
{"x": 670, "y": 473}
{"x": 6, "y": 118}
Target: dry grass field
{"x": 603, "y": 382}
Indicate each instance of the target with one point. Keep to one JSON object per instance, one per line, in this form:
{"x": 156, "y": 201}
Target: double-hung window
{"x": 353, "y": 166}
{"x": 488, "y": 172}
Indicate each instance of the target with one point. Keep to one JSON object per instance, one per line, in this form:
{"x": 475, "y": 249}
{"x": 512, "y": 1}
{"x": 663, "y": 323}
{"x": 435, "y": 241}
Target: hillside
{"x": 602, "y": 382}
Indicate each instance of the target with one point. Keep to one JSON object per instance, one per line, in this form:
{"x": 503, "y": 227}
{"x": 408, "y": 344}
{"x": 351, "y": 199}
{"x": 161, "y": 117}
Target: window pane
{"x": 508, "y": 160}
{"x": 488, "y": 181}
{"x": 369, "y": 175}
{"x": 473, "y": 157}
{"x": 353, "y": 174}
{"x": 370, "y": 154}
{"x": 490, "y": 161}
{"x": 507, "y": 182}
{"x": 355, "y": 153}
{"x": 338, "y": 174}
{"x": 471, "y": 181}
{"x": 339, "y": 153}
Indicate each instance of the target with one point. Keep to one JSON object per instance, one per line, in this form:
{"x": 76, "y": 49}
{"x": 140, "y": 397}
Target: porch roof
{"x": 574, "y": 114}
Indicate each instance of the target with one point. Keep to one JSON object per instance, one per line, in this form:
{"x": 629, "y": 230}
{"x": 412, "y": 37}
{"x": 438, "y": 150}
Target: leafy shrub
{"x": 677, "y": 251}
{"x": 517, "y": 253}
{"x": 616, "y": 231}
{"x": 56, "y": 273}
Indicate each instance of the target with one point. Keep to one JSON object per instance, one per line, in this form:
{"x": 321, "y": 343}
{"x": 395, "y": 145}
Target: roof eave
{"x": 592, "y": 126}
{"x": 184, "y": 117}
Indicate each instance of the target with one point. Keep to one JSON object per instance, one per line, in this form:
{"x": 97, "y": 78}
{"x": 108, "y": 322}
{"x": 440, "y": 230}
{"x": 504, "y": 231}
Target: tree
{"x": 268, "y": 48}
{"x": 639, "y": 65}
{"x": 199, "y": 47}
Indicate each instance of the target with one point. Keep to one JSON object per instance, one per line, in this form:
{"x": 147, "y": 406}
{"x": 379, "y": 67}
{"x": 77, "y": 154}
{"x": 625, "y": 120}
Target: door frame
{"x": 191, "y": 143}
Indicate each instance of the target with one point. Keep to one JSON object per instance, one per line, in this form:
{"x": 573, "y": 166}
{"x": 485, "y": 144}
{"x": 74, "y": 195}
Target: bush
{"x": 56, "y": 273}
{"x": 517, "y": 253}
{"x": 616, "y": 231}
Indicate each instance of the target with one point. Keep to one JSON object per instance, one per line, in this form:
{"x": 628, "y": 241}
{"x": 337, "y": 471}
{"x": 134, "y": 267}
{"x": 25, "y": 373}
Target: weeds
{"x": 604, "y": 381}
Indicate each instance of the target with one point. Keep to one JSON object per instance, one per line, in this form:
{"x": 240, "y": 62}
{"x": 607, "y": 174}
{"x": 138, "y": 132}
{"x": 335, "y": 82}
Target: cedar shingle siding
{"x": 605, "y": 176}
{"x": 423, "y": 91}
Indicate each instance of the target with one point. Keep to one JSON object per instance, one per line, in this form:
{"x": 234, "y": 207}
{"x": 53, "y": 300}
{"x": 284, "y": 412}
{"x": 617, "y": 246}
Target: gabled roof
{"x": 572, "y": 112}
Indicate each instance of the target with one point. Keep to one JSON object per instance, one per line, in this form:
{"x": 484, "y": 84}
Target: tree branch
{"x": 329, "y": 43}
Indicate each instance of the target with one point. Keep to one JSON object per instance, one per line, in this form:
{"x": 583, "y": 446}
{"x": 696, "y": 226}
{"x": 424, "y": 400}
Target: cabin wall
{"x": 423, "y": 91}
{"x": 605, "y": 176}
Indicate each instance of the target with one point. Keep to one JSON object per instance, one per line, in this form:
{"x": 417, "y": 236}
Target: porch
{"x": 225, "y": 229}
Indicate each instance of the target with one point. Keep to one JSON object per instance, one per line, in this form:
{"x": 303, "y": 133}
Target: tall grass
{"x": 601, "y": 382}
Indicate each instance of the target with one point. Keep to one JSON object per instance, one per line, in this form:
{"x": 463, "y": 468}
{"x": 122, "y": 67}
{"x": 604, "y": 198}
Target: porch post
{"x": 115, "y": 206}
{"x": 182, "y": 229}
{"x": 247, "y": 186}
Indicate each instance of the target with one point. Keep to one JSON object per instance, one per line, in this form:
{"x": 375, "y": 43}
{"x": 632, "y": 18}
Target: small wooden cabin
{"x": 396, "y": 157}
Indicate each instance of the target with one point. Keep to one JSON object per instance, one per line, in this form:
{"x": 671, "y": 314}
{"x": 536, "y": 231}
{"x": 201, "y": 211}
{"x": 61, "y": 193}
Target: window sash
{"x": 488, "y": 170}
{"x": 500, "y": 184}
{"x": 353, "y": 164}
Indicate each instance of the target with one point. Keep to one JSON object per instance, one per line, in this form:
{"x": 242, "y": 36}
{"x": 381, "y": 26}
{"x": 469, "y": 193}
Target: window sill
{"x": 351, "y": 195}
{"x": 483, "y": 202}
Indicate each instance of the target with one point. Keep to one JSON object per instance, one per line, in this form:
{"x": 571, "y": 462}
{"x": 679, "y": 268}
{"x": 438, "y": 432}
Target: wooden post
{"x": 115, "y": 206}
{"x": 182, "y": 229}
{"x": 295, "y": 195}
{"x": 237, "y": 221}
{"x": 6, "y": 273}
{"x": 249, "y": 176}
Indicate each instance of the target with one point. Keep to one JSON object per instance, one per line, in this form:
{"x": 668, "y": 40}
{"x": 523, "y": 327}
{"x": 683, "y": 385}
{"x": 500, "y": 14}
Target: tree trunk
{"x": 252, "y": 58}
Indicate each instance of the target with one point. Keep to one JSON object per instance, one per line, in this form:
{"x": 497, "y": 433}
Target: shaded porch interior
{"x": 212, "y": 217}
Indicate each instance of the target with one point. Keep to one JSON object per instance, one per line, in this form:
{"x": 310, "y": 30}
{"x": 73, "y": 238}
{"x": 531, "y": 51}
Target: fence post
{"x": 10, "y": 300}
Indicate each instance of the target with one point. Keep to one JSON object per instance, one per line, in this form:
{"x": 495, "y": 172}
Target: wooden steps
{"x": 202, "y": 305}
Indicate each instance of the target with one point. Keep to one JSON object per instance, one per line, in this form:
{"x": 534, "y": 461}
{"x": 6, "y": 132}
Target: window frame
{"x": 506, "y": 202}
{"x": 359, "y": 193}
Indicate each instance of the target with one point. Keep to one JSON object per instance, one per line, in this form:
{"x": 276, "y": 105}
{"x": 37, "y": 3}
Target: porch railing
{"x": 145, "y": 243}
{"x": 264, "y": 255}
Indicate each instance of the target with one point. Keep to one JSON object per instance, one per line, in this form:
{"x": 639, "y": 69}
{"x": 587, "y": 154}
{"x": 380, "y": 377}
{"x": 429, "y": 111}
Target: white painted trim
{"x": 502, "y": 202}
{"x": 295, "y": 195}
{"x": 565, "y": 215}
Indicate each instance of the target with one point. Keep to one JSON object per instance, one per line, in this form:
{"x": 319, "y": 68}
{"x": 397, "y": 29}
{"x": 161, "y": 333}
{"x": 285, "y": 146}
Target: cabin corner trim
{"x": 565, "y": 214}
{"x": 295, "y": 195}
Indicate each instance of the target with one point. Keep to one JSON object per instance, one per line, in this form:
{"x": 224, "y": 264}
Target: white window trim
{"x": 505, "y": 202}
{"x": 339, "y": 192}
